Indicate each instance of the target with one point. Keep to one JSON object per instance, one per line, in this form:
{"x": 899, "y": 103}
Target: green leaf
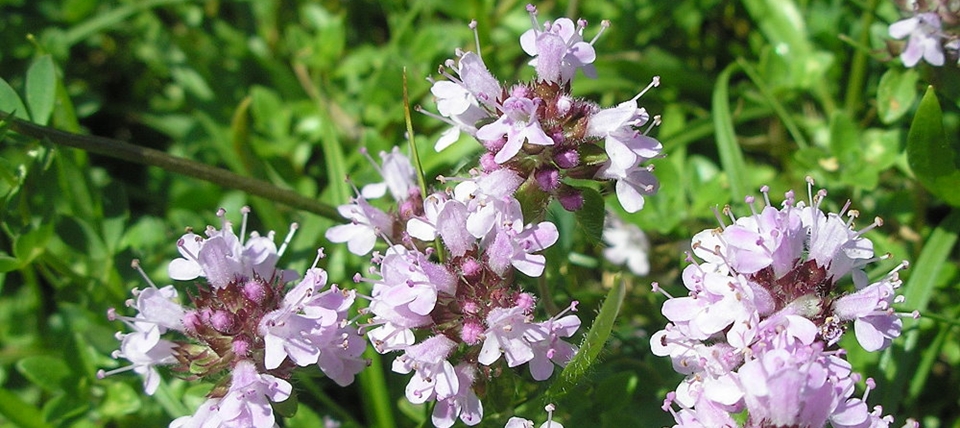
{"x": 590, "y": 217}
{"x": 10, "y": 102}
{"x": 49, "y": 373}
{"x": 592, "y": 344}
{"x": 120, "y": 399}
{"x": 33, "y": 243}
{"x": 41, "y": 87}
{"x": 933, "y": 159}
{"x": 896, "y": 93}
{"x": 8, "y": 263}
{"x": 731, "y": 157}
{"x": 19, "y": 412}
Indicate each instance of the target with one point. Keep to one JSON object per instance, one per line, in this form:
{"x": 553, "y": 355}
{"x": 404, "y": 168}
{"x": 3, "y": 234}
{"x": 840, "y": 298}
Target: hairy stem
{"x": 145, "y": 156}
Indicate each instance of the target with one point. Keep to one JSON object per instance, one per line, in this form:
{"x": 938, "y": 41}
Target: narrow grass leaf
{"x": 918, "y": 291}
{"x": 731, "y": 157}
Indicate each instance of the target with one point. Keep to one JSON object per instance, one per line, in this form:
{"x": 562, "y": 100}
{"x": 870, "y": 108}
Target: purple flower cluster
{"x": 758, "y": 329}
{"x": 241, "y": 328}
{"x": 453, "y": 320}
{"x": 541, "y": 132}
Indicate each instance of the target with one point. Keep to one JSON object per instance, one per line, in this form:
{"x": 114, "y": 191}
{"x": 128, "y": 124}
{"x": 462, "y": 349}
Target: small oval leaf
{"x": 933, "y": 159}
{"x": 41, "y": 87}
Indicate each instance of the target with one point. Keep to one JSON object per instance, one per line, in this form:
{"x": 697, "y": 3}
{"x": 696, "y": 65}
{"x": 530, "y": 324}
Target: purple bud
{"x": 471, "y": 332}
{"x": 526, "y": 301}
{"x": 255, "y": 291}
{"x": 488, "y": 163}
{"x": 241, "y": 346}
{"x": 567, "y": 159}
{"x": 548, "y": 179}
{"x": 571, "y": 200}
{"x": 494, "y": 146}
{"x": 470, "y": 268}
{"x": 470, "y": 307}
{"x": 223, "y": 321}
{"x": 191, "y": 321}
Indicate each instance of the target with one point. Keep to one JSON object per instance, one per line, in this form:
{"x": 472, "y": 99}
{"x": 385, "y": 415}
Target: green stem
{"x": 376, "y": 398}
{"x": 145, "y": 156}
{"x": 858, "y": 67}
{"x": 311, "y": 386}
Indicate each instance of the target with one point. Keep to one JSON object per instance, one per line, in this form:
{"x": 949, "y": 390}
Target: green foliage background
{"x": 753, "y": 92}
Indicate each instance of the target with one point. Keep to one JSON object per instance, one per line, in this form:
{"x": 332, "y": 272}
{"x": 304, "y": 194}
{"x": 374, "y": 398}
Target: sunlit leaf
{"x": 896, "y": 93}
{"x": 933, "y": 159}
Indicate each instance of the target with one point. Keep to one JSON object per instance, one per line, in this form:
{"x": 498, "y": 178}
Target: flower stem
{"x": 145, "y": 156}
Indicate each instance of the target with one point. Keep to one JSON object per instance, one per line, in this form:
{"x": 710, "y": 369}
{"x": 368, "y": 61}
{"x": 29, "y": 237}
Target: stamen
{"x": 243, "y": 223}
{"x": 653, "y": 84}
{"x": 286, "y": 241}
{"x": 476, "y": 37}
{"x": 655, "y": 122}
{"x": 603, "y": 27}
{"x": 549, "y": 408}
{"x": 532, "y": 10}
{"x": 135, "y": 263}
{"x": 656, "y": 289}
{"x": 716, "y": 213}
{"x": 765, "y": 190}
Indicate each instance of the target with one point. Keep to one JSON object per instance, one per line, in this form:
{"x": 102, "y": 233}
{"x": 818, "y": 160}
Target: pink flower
{"x": 247, "y": 402}
{"x": 507, "y": 334}
{"x": 924, "y": 34}
{"x": 558, "y": 49}
{"x": 434, "y": 377}
{"x": 366, "y": 225}
{"x": 464, "y": 404}
{"x": 518, "y": 124}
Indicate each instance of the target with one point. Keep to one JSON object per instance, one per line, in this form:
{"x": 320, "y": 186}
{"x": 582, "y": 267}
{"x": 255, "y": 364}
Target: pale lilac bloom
{"x": 632, "y": 184}
{"x": 145, "y": 350}
{"x": 155, "y": 307}
{"x": 518, "y": 124}
{"x": 550, "y": 349}
{"x": 874, "y": 321}
{"x": 624, "y": 142}
{"x": 628, "y": 245}
{"x": 247, "y": 402}
{"x": 507, "y": 334}
{"x": 398, "y": 174}
{"x": 445, "y": 218}
{"x": 294, "y": 330}
{"x": 464, "y": 404}
{"x": 924, "y": 34}
{"x": 366, "y": 224}
{"x": 558, "y": 49}
{"x": 516, "y": 249}
{"x": 434, "y": 377}
{"x": 410, "y": 279}
{"x": 464, "y": 99}
{"x": 424, "y": 228}
{"x": 206, "y": 416}
{"x": 489, "y": 200}
{"x": 223, "y": 257}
